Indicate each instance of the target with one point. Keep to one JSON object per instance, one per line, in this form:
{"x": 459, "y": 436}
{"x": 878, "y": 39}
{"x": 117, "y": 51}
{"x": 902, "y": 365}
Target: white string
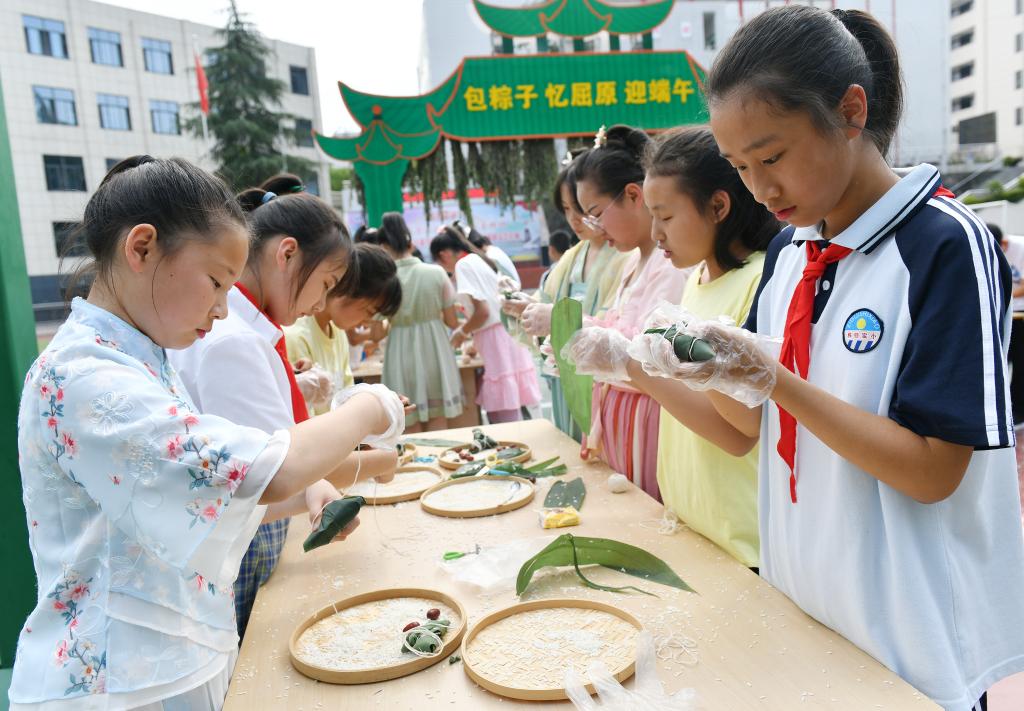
{"x": 423, "y": 630}
{"x": 667, "y": 525}
{"x": 677, "y": 648}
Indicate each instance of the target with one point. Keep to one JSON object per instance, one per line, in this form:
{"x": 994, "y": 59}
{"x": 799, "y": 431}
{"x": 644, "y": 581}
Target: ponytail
{"x": 835, "y": 50}
{"x": 451, "y": 237}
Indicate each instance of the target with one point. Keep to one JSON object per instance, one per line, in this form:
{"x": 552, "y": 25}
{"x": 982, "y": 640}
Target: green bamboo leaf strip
{"x": 572, "y": 550}
{"x": 688, "y": 349}
{"x": 335, "y": 517}
{"x": 429, "y": 442}
{"x": 566, "y": 493}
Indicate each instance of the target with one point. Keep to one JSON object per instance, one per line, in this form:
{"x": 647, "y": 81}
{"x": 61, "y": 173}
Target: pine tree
{"x": 250, "y": 135}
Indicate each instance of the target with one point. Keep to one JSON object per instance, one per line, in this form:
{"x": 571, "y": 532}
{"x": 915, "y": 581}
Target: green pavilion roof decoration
{"x": 574, "y": 18}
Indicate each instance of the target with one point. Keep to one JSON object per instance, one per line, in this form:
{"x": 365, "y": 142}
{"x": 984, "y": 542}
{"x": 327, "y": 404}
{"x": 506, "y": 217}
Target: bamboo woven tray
{"x": 393, "y": 492}
{"x": 520, "y": 499}
{"x": 524, "y": 457}
{"x": 522, "y": 652}
{"x": 409, "y": 452}
{"x": 371, "y": 674}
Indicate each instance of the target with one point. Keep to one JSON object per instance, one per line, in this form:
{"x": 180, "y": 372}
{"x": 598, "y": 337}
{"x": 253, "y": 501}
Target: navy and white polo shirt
{"x": 912, "y": 326}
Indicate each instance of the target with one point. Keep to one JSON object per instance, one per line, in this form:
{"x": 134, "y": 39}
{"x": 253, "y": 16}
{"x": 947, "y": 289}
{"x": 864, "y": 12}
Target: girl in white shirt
{"x": 510, "y": 379}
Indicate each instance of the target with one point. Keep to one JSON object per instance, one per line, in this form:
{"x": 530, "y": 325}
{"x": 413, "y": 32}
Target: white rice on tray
{"x": 404, "y": 483}
{"x": 478, "y": 493}
{"x": 367, "y": 636}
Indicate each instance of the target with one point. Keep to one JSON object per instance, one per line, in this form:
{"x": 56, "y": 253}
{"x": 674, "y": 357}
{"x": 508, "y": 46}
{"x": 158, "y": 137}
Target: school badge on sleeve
{"x": 863, "y": 331}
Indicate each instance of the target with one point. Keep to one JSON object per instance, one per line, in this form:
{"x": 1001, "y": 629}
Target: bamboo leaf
{"x": 568, "y": 549}
{"x": 335, "y": 517}
{"x": 566, "y": 320}
{"x": 430, "y": 442}
{"x": 566, "y": 493}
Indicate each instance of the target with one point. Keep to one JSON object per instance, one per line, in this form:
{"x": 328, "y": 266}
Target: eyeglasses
{"x": 594, "y": 221}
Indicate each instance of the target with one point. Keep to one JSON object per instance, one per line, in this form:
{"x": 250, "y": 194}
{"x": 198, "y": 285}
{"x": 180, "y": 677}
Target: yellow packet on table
{"x": 560, "y": 517}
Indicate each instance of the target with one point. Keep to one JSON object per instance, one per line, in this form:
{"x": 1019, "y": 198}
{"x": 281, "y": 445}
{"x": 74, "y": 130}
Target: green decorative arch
{"x": 573, "y": 18}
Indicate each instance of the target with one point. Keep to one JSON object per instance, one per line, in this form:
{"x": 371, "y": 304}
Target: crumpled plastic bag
{"x": 744, "y": 366}
{"x": 392, "y": 405}
{"x": 647, "y": 694}
{"x": 495, "y": 567}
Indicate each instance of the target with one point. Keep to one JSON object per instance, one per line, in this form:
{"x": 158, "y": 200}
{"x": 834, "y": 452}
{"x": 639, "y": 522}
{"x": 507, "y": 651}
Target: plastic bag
{"x": 647, "y": 694}
{"x": 744, "y": 366}
{"x": 392, "y": 406}
{"x": 495, "y": 567}
{"x": 600, "y": 352}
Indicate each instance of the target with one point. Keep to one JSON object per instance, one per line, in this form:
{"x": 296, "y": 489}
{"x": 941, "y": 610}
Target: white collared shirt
{"x": 235, "y": 372}
{"x": 912, "y": 325}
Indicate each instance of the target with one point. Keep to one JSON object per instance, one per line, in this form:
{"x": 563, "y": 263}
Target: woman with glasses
{"x": 609, "y": 188}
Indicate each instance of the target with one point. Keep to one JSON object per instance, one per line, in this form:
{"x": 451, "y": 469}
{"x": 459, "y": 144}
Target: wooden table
{"x": 370, "y": 369}
{"x": 756, "y": 649}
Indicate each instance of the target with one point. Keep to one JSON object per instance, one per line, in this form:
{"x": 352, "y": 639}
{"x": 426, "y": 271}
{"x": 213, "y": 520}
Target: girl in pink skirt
{"x": 510, "y": 379}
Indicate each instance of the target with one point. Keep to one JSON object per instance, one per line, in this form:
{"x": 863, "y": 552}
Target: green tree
{"x": 250, "y": 134}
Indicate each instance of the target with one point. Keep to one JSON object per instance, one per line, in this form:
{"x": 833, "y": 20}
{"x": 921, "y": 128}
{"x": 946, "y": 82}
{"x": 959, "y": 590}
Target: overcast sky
{"x": 372, "y": 45}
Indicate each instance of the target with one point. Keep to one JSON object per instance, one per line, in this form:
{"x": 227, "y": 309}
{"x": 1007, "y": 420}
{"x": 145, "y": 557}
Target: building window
{"x": 111, "y": 162}
{"x": 156, "y": 55}
{"x": 1018, "y": 7}
{"x": 961, "y": 7}
{"x": 64, "y": 173}
{"x": 105, "y": 47}
{"x": 961, "y": 39}
{"x": 1018, "y": 116}
{"x": 64, "y": 239}
{"x": 962, "y": 71}
{"x": 1018, "y": 42}
{"x": 45, "y": 36}
{"x": 304, "y": 132}
{"x": 114, "y": 113}
{"x": 165, "y": 117}
{"x": 300, "y": 80}
{"x": 1018, "y": 79}
{"x": 55, "y": 105}
{"x": 710, "y": 42}
{"x": 963, "y": 102}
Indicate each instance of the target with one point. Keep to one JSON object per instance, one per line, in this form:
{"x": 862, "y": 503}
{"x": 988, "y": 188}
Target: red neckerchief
{"x": 299, "y": 411}
{"x": 796, "y": 338}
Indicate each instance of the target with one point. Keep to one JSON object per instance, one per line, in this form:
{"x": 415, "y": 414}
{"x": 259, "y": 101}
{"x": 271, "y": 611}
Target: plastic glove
{"x": 514, "y": 304}
{"x": 393, "y": 408}
{"x": 648, "y": 694}
{"x": 315, "y": 385}
{"x": 743, "y": 368}
{"x": 536, "y": 319}
{"x": 601, "y": 352}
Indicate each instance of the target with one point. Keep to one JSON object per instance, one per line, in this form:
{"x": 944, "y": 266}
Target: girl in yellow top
{"x": 320, "y": 339}
{"x": 703, "y": 217}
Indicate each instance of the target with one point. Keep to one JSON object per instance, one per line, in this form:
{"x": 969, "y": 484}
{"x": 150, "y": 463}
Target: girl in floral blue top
{"x": 139, "y": 507}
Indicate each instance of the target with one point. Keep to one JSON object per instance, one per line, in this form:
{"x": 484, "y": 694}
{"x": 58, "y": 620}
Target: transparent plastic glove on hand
{"x": 601, "y": 352}
{"x": 744, "y": 366}
{"x": 536, "y": 319}
{"x": 648, "y": 694}
{"x": 515, "y": 303}
{"x": 392, "y": 405}
{"x": 316, "y": 386}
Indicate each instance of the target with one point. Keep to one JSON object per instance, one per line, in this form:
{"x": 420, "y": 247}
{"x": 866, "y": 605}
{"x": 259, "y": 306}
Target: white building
{"x": 703, "y": 26}
{"x": 87, "y": 84}
{"x": 986, "y": 78}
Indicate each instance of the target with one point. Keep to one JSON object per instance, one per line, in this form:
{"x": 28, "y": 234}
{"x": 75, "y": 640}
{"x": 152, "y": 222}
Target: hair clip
{"x": 298, "y": 188}
{"x": 568, "y": 158}
{"x": 601, "y": 137}
{"x": 267, "y": 197}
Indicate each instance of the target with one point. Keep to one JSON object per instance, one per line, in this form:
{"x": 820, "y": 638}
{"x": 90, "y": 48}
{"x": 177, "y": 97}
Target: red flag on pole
{"x": 204, "y": 98}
